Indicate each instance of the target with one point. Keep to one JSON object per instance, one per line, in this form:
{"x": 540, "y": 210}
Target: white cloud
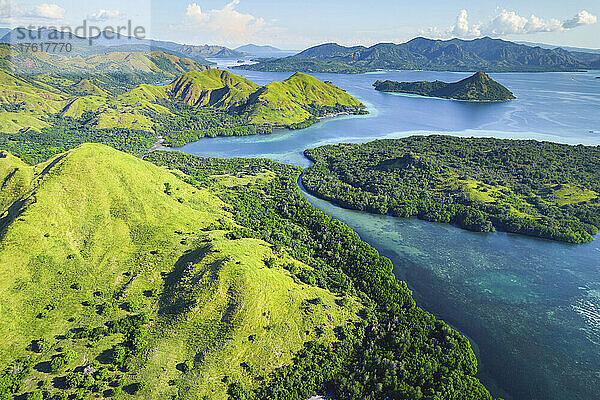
{"x": 227, "y": 21}
{"x": 508, "y": 22}
{"x": 583, "y": 18}
{"x": 8, "y": 10}
{"x": 536, "y": 24}
{"x": 49, "y": 11}
{"x": 103, "y": 15}
{"x": 462, "y": 28}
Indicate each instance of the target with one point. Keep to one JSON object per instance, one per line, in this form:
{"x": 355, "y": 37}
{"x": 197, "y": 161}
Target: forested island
{"x": 212, "y": 279}
{"x": 541, "y": 189}
{"x": 478, "y": 87}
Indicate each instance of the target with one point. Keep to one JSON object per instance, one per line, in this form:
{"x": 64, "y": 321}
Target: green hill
{"x": 138, "y": 62}
{"x": 39, "y": 86}
{"x": 25, "y": 103}
{"x": 478, "y": 87}
{"x": 47, "y": 114}
{"x": 216, "y": 102}
{"x": 294, "y": 101}
{"x": 94, "y": 236}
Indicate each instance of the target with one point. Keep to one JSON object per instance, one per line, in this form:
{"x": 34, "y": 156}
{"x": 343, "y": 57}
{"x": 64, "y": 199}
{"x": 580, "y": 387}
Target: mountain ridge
{"x": 485, "y": 54}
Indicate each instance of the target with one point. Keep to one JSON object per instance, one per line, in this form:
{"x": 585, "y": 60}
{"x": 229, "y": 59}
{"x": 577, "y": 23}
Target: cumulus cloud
{"x": 462, "y": 27}
{"x": 103, "y": 15}
{"x": 12, "y": 13}
{"x": 226, "y": 21}
{"x": 583, "y": 18}
{"x": 507, "y": 22}
{"x": 49, "y": 11}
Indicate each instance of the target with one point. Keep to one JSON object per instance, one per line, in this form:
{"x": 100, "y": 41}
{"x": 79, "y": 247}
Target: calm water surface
{"x": 530, "y": 307}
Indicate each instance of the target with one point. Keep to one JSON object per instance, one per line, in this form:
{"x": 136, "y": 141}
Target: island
{"x": 541, "y": 189}
{"x": 478, "y": 87}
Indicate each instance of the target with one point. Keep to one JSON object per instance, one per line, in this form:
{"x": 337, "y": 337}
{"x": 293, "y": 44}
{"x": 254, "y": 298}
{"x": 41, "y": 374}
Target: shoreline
{"x": 157, "y": 145}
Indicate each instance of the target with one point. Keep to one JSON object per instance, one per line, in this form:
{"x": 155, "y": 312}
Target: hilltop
{"x": 478, "y": 87}
{"x": 483, "y": 54}
{"x": 296, "y": 100}
{"x": 211, "y": 279}
{"x": 132, "y": 243}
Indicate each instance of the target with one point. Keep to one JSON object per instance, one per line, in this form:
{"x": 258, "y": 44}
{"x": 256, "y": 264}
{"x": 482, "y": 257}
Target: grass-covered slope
{"x": 117, "y": 271}
{"x": 24, "y": 103}
{"x": 534, "y": 188}
{"x": 213, "y": 88}
{"x": 396, "y": 351}
{"x": 294, "y": 101}
{"x": 215, "y": 280}
{"x": 37, "y": 86}
{"x": 478, "y": 87}
{"x": 138, "y": 62}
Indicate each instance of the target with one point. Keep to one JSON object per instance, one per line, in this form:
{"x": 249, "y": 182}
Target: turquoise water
{"x": 530, "y": 307}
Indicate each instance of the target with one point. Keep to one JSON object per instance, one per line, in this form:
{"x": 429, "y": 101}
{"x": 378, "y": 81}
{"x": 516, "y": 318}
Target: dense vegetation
{"x": 478, "y": 87}
{"x": 216, "y": 281}
{"x": 66, "y": 133}
{"x": 484, "y": 54}
{"x": 188, "y": 124}
{"x": 395, "y": 351}
{"x": 534, "y": 188}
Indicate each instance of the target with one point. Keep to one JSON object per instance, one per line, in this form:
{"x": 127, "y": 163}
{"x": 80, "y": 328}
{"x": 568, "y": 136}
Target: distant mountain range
{"x": 264, "y": 51}
{"x": 478, "y": 87}
{"x": 105, "y": 43}
{"x": 484, "y": 54}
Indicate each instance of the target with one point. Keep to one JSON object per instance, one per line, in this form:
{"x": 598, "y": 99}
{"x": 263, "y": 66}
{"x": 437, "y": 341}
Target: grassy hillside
{"x": 42, "y": 115}
{"x": 478, "y": 87}
{"x": 213, "y": 88}
{"x": 38, "y": 86}
{"x": 24, "y": 103}
{"x": 94, "y": 238}
{"x": 139, "y": 62}
{"x": 293, "y": 101}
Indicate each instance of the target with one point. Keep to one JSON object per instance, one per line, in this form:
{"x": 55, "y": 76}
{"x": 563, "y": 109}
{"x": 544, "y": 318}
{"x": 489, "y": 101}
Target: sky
{"x": 300, "y": 24}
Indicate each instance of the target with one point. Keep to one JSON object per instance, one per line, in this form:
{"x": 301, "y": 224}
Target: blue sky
{"x": 303, "y": 23}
